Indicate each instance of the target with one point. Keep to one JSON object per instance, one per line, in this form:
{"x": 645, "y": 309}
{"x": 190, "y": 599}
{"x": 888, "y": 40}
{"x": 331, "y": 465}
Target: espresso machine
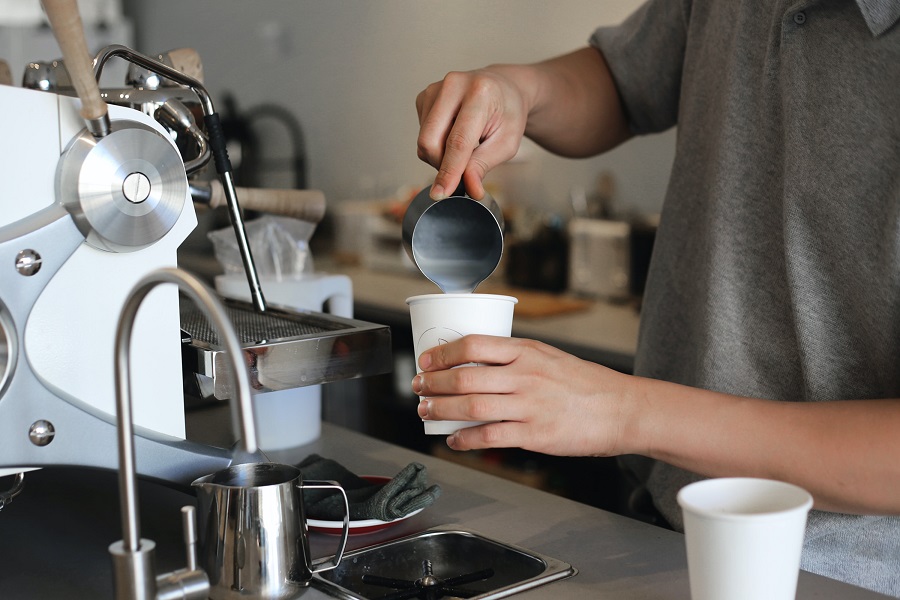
{"x": 97, "y": 189}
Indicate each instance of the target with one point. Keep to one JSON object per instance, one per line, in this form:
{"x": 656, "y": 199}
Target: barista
{"x": 770, "y": 330}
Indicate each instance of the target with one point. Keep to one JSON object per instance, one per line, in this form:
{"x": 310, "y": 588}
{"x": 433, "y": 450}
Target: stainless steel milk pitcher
{"x": 253, "y": 540}
{"x": 456, "y": 242}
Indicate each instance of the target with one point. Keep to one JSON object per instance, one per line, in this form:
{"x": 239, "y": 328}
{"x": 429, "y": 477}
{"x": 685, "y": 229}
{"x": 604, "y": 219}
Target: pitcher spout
{"x": 203, "y": 484}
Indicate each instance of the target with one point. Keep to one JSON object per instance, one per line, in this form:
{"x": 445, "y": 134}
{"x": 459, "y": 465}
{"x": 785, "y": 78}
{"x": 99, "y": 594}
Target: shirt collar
{"x": 880, "y": 15}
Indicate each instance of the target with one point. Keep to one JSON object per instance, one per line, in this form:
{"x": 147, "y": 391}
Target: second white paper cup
{"x": 440, "y": 318}
{"x": 744, "y": 537}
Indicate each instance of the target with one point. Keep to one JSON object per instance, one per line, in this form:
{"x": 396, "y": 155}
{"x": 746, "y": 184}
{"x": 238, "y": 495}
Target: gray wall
{"x": 350, "y": 70}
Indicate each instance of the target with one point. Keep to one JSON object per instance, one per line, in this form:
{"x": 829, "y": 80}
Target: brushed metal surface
{"x": 94, "y": 184}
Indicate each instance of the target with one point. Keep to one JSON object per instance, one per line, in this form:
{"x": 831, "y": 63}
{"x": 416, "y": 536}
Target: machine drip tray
{"x": 284, "y": 349}
{"x": 439, "y": 563}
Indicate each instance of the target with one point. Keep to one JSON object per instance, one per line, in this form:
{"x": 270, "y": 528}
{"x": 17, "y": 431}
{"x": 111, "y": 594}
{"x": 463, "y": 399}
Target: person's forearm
{"x": 575, "y": 109}
{"x": 843, "y": 452}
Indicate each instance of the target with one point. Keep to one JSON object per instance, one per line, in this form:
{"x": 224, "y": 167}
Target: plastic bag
{"x": 280, "y": 247}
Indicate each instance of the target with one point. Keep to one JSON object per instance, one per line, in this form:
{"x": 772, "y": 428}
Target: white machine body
{"x": 70, "y": 331}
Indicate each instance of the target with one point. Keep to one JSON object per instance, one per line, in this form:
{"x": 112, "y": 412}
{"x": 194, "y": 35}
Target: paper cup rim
{"x": 425, "y": 297}
{"x": 802, "y": 502}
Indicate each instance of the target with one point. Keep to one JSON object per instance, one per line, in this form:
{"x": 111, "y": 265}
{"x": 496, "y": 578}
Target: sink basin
{"x": 440, "y": 563}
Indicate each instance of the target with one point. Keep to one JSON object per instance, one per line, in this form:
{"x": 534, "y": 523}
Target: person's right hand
{"x": 468, "y": 124}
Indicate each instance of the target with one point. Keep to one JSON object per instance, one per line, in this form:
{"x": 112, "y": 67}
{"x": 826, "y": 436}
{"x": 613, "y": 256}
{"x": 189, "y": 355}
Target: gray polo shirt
{"x": 776, "y": 270}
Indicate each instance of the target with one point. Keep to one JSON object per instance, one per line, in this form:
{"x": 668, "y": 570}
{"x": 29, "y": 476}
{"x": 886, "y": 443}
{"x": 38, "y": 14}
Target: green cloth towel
{"x": 407, "y": 492}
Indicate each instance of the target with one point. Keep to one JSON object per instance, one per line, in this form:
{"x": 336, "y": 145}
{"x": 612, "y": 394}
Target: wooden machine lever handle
{"x": 307, "y": 205}
{"x": 65, "y": 21}
{"x": 5, "y": 75}
{"x": 187, "y": 61}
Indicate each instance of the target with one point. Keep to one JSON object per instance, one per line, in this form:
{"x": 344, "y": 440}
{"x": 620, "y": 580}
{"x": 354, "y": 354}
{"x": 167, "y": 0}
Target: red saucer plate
{"x": 362, "y": 526}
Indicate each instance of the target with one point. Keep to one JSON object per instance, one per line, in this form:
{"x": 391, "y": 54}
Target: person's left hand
{"x": 546, "y": 400}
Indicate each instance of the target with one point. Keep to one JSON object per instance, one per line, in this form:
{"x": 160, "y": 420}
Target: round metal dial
{"x": 125, "y": 190}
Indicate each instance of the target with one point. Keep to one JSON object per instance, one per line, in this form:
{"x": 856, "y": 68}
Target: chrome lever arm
{"x": 217, "y": 145}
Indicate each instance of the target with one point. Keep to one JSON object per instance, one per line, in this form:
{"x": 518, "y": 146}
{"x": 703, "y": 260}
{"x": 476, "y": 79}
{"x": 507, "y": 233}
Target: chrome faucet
{"x": 133, "y": 557}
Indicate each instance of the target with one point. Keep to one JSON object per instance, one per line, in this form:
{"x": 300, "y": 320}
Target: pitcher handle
{"x": 324, "y": 485}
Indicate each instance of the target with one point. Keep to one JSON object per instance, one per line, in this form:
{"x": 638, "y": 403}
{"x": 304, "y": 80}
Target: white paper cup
{"x": 440, "y": 318}
{"x": 744, "y": 537}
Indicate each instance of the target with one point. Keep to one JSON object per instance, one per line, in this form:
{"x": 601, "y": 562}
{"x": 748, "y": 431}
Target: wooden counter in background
{"x": 598, "y": 331}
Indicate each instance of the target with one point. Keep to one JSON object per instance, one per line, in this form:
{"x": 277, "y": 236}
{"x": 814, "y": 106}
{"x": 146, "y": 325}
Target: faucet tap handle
{"x": 189, "y": 525}
{"x": 189, "y": 583}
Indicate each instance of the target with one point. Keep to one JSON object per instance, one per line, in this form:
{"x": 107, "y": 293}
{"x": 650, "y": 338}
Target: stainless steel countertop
{"x": 53, "y": 538}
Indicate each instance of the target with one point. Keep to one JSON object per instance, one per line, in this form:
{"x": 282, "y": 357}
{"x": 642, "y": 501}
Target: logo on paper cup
{"x": 435, "y": 336}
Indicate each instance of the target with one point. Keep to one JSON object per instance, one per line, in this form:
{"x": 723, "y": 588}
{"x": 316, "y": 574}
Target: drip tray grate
{"x": 254, "y": 327}
{"x": 283, "y": 349}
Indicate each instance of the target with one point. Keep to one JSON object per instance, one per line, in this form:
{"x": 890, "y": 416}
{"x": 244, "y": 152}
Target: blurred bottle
{"x": 540, "y": 261}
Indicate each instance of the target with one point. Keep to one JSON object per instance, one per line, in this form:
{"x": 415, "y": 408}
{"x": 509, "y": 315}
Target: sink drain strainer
{"x": 468, "y": 565}
{"x": 428, "y": 586}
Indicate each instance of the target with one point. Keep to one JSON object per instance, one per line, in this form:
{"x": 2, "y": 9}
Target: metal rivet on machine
{"x": 41, "y": 432}
{"x": 28, "y": 262}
